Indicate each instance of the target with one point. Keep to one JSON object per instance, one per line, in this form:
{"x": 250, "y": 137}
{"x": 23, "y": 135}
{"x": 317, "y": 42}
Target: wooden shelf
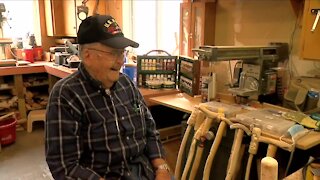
{"x": 38, "y": 84}
{"x": 6, "y": 88}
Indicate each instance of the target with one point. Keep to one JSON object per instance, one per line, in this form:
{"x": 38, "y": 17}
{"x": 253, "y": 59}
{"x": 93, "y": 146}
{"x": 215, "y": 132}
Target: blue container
{"x": 130, "y": 69}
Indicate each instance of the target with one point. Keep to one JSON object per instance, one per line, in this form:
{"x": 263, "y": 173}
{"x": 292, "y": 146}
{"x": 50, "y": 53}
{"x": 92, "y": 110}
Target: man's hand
{"x": 162, "y": 174}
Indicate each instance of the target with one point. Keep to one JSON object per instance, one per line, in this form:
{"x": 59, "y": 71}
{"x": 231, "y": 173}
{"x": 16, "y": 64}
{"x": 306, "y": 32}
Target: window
{"x": 20, "y": 18}
{"x": 153, "y": 24}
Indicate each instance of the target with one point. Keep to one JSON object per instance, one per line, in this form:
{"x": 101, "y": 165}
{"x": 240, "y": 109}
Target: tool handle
{"x": 159, "y": 51}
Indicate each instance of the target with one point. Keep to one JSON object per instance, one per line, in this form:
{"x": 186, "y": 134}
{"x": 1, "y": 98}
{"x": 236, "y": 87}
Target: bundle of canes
{"x": 195, "y": 120}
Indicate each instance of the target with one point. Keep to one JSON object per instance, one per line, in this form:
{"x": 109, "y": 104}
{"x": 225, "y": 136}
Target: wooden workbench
{"x": 180, "y": 101}
{"x": 186, "y": 103}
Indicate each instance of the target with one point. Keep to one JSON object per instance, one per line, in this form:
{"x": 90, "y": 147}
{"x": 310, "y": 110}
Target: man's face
{"x": 103, "y": 62}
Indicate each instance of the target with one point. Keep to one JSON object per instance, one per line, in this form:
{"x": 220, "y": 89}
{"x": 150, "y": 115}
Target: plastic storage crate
{"x": 268, "y": 120}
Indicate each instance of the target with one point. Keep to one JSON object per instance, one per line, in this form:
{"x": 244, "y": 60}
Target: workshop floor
{"x": 24, "y": 160}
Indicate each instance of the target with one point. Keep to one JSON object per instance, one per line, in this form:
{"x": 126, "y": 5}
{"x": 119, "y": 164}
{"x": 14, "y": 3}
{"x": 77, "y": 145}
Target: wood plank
{"x": 18, "y": 83}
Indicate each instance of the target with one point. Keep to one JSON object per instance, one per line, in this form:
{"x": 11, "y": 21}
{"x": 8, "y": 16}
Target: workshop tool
{"x": 194, "y": 121}
{"x": 273, "y": 144}
{"x": 220, "y": 117}
{"x": 234, "y": 157}
{"x": 269, "y": 169}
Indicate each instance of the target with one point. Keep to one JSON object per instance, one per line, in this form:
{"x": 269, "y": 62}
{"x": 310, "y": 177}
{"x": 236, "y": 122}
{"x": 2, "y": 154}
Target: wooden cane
{"x": 196, "y": 115}
{"x": 201, "y": 136}
{"x": 253, "y": 149}
{"x": 238, "y": 136}
{"x": 189, "y": 160}
{"x": 199, "y": 120}
{"x": 269, "y": 169}
{"x": 216, "y": 143}
{"x": 272, "y": 150}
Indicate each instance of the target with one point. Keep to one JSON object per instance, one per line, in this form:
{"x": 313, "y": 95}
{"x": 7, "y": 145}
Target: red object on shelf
{"x": 27, "y": 54}
{"x": 8, "y": 131}
{"x": 37, "y": 53}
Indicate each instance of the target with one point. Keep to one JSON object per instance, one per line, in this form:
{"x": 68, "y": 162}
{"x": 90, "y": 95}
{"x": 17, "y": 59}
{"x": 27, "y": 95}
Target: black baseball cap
{"x": 103, "y": 29}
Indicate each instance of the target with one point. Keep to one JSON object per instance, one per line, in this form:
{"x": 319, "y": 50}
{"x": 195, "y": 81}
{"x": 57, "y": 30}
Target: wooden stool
{"x": 35, "y": 115}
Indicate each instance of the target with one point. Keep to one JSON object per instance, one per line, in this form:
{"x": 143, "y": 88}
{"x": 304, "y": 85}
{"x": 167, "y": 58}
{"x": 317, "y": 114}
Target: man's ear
{"x": 85, "y": 53}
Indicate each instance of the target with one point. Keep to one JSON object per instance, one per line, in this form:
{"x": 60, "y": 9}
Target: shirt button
{"x": 122, "y": 118}
{"x": 99, "y": 91}
{"x": 128, "y": 137}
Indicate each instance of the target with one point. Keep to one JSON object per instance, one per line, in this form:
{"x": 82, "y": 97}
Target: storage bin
{"x": 8, "y": 131}
{"x": 268, "y": 120}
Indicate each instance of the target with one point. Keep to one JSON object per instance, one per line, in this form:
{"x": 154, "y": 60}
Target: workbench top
{"x": 186, "y": 103}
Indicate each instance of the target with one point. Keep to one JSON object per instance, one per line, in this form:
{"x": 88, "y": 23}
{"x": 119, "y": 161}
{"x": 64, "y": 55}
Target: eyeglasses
{"x": 115, "y": 53}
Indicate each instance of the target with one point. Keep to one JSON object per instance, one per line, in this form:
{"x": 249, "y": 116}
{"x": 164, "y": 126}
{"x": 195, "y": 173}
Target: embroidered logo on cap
{"x": 112, "y": 27}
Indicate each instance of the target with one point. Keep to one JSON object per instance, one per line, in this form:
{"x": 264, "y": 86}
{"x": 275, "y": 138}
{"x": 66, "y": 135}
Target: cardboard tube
{"x": 269, "y": 169}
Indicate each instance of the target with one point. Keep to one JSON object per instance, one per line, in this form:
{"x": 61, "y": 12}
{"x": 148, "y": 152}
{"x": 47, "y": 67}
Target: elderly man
{"x": 98, "y": 125}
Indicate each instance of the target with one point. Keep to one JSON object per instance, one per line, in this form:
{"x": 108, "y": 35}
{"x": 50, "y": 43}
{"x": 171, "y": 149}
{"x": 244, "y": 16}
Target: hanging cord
{"x": 12, "y": 53}
{"x": 84, "y": 2}
{"x": 290, "y": 64}
{"x": 95, "y": 9}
